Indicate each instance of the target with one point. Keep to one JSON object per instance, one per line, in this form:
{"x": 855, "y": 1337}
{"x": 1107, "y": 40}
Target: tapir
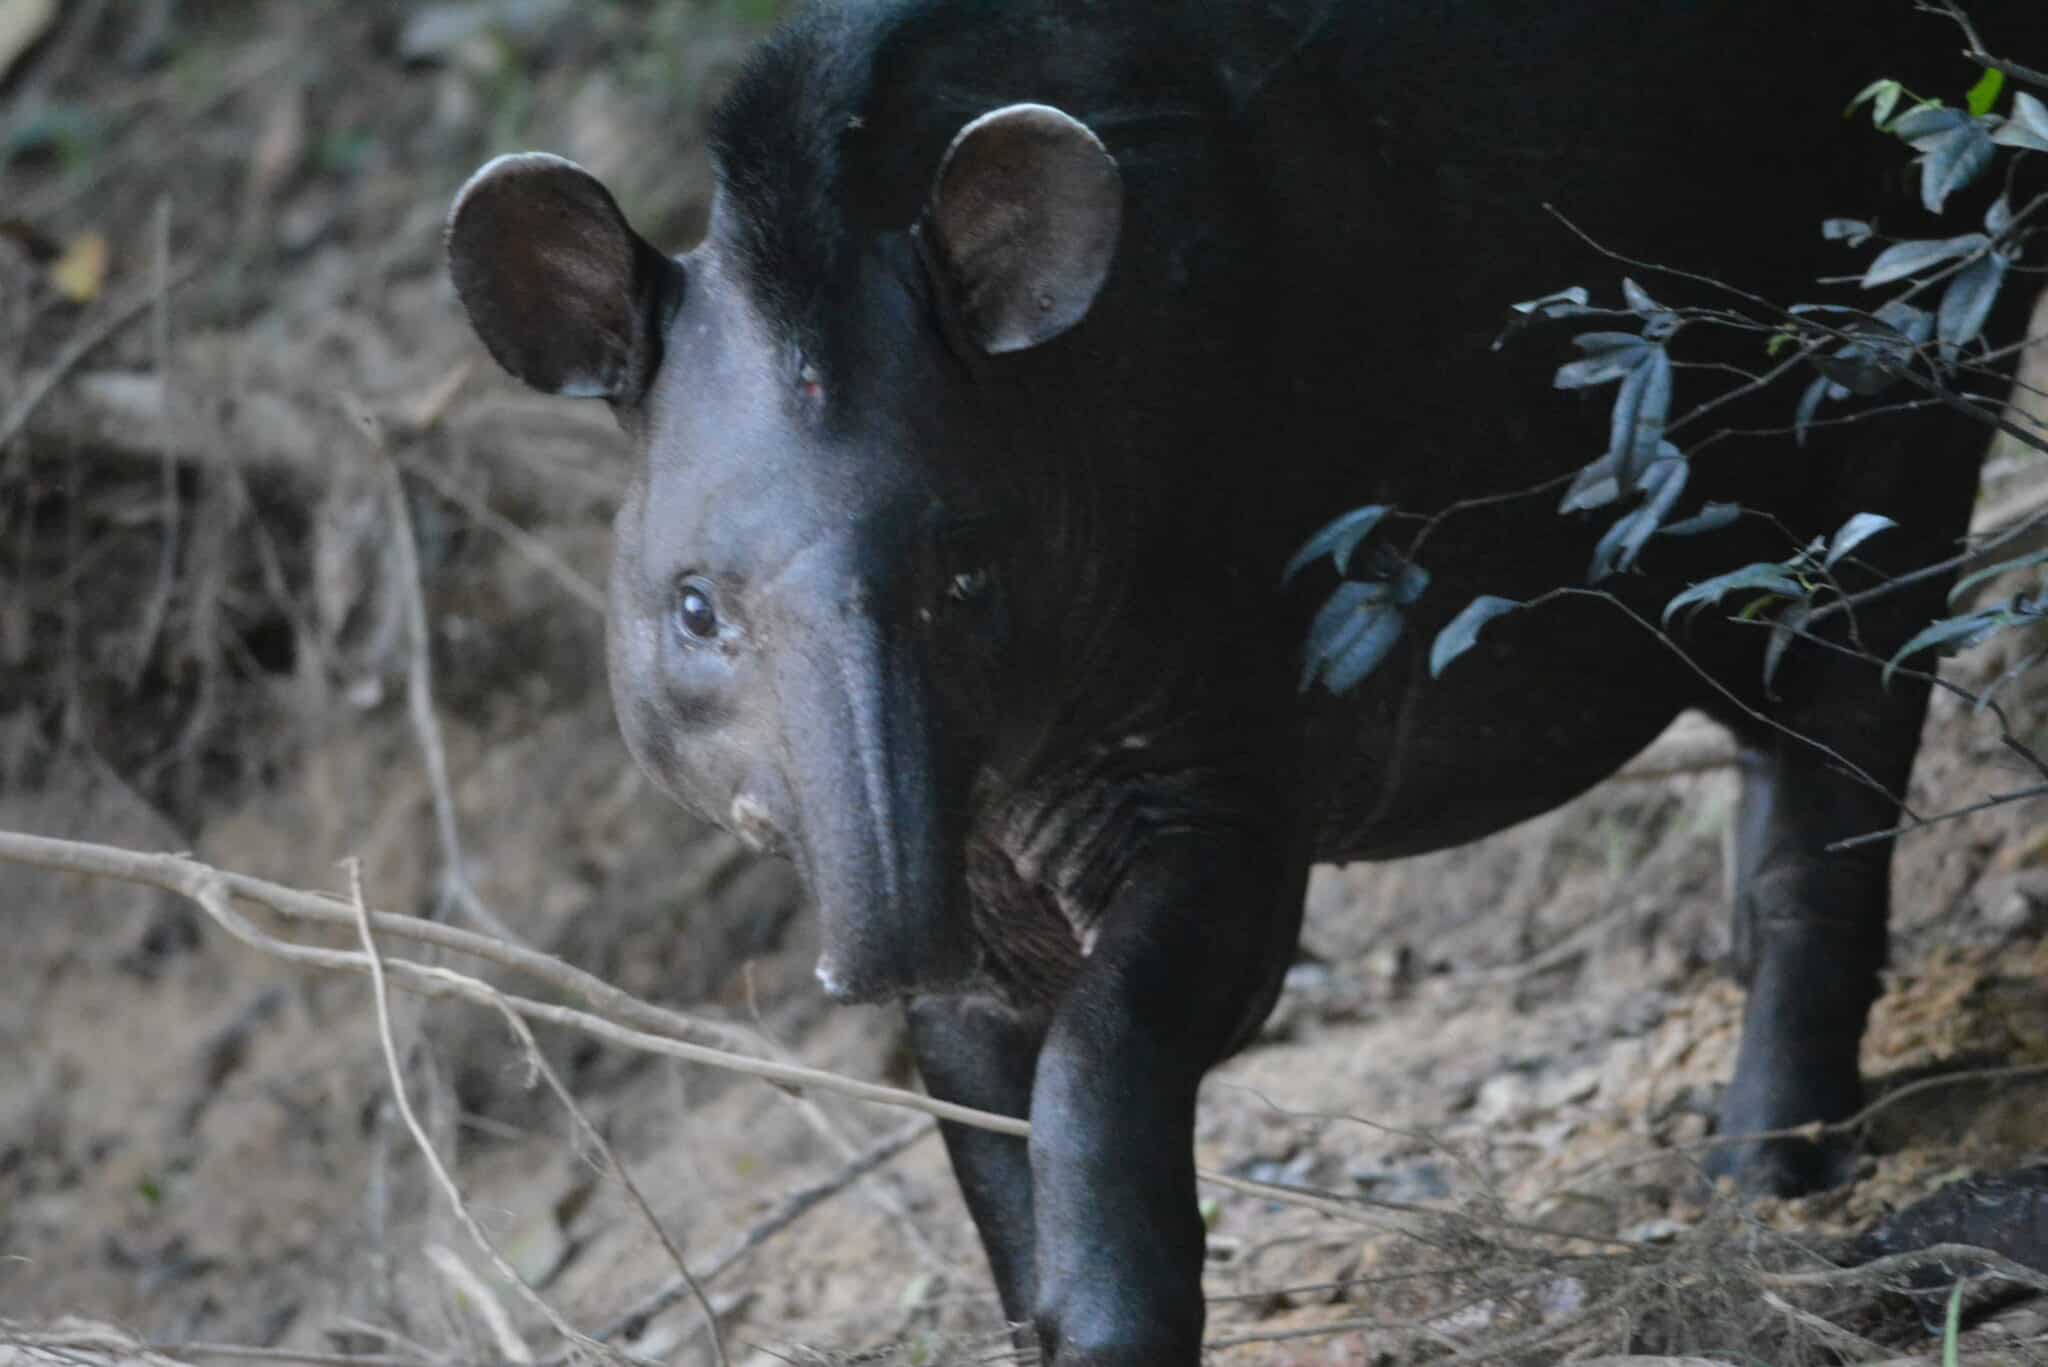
{"x": 1027, "y": 343}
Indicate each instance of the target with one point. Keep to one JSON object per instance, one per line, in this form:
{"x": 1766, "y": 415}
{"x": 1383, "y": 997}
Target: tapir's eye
{"x": 967, "y": 584}
{"x": 696, "y": 610}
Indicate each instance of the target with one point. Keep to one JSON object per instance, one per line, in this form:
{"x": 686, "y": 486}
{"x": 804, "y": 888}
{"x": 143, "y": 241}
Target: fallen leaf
{"x": 82, "y": 270}
{"x": 281, "y": 147}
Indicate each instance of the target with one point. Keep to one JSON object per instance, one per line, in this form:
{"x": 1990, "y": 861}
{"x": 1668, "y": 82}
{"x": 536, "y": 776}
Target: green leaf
{"x": 1854, "y": 533}
{"x": 1976, "y": 577}
{"x": 1346, "y": 670}
{"x": 2028, "y": 125}
{"x": 1952, "y": 1329}
{"x": 1711, "y": 518}
{"x": 1951, "y": 634}
{"x": 1985, "y": 93}
{"x": 1554, "y": 305}
{"x": 1883, "y": 96}
{"x": 1902, "y": 259}
{"x": 1769, "y": 577}
{"x": 1463, "y": 632}
{"x": 1337, "y": 540}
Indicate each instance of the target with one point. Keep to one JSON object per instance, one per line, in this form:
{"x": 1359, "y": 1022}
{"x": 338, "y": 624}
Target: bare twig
{"x": 158, "y": 606}
{"x": 589, "y": 1135}
{"x": 456, "y": 888}
{"x": 1663, "y": 638}
{"x": 2027, "y": 794}
{"x": 1976, "y": 53}
{"x": 210, "y": 889}
{"x": 380, "y": 996}
{"x": 242, "y": 1352}
{"x": 792, "y": 1207}
{"x": 1880, "y": 1271}
{"x": 178, "y": 874}
{"x": 111, "y": 325}
{"x": 472, "y": 1290}
{"x": 1849, "y": 1346}
{"x": 543, "y": 556}
{"x": 834, "y": 1134}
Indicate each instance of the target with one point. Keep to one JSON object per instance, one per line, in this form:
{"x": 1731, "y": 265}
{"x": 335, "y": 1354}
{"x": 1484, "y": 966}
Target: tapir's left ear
{"x": 1024, "y": 218}
{"x": 558, "y": 286}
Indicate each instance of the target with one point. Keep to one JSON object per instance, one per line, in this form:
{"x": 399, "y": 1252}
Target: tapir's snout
{"x": 878, "y": 830}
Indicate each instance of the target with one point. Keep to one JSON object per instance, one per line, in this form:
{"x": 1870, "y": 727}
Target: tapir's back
{"x": 1494, "y": 152}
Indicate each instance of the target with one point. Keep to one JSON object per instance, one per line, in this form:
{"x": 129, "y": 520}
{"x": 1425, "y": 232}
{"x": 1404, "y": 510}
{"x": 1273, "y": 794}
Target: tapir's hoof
{"x": 1783, "y": 1167}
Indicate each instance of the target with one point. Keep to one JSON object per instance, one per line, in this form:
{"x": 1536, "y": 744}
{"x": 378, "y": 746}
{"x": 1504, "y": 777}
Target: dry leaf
{"x": 21, "y": 23}
{"x": 422, "y": 408}
{"x": 82, "y": 270}
{"x": 281, "y": 147}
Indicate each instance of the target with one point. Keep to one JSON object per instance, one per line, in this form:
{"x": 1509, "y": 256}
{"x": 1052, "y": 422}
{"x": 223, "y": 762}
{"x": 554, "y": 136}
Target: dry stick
{"x": 1814, "y": 1130}
{"x": 1990, "y": 1264}
{"x": 1851, "y": 1347}
{"x": 589, "y": 1133}
{"x": 786, "y": 1212}
{"x": 843, "y": 1147}
{"x": 543, "y": 556}
{"x": 176, "y": 874}
{"x": 83, "y": 345}
{"x": 239, "y": 1351}
{"x": 207, "y": 886}
{"x": 1976, "y": 51}
{"x": 468, "y": 1286}
{"x": 419, "y": 697}
{"x": 210, "y": 888}
{"x": 350, "y": 1324}
{"x": 381, "y": 999}
{"x": 159, "y": 604}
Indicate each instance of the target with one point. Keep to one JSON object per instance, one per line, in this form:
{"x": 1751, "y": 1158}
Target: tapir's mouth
{"x": 907, "y": 937}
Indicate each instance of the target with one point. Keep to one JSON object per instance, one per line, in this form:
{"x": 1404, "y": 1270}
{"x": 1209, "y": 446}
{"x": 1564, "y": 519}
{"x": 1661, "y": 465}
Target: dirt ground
{"x": 1503, "y": 1059}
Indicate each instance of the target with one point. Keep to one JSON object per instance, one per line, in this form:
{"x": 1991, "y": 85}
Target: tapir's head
{"x": 808, "y": 586}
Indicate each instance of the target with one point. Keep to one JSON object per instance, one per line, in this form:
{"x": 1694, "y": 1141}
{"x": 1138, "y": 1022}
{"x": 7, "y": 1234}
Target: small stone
{"x": 2016, "y": 903}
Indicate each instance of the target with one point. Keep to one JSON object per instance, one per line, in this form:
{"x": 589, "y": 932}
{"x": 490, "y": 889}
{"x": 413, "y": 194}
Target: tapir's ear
{"x": 558, "y": 286}
{"x": 1024, "y": 217}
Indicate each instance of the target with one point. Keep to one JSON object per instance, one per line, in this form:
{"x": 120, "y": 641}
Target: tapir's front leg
{"x": 979, "y": 1054}
{"x": 1187, "y": 961}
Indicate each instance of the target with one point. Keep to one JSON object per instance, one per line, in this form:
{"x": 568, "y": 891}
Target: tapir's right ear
{"x": 558, "y": 286}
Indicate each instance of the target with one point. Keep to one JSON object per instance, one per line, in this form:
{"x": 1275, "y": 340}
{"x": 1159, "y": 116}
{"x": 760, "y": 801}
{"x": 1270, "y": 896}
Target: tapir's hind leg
{"x": 1810, "y": 939}
{"x": 1810, "y": 924}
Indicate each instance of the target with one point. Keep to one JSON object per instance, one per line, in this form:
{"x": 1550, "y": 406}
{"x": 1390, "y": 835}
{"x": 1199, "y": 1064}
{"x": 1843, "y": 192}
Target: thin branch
{"x": 2027, "y": 794}
{"x": 381, "y": 999}
{"x": 419, "y": 696}
{"x": 1976, "y": 53}
{"x": 159, "y": 603}
{"x": 1664, "y": 638}
{"x": 590, "y": 1136}
{"x": 543, "y": 556}
{"x": 1881, "y": 1270}
{"x": 176, "y": 873}
{"x": 83, "y": 345}
{"x": 209, "y": 888}
{"x": 786, "y": 1212}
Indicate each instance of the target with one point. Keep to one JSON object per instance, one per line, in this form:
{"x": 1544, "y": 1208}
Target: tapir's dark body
{"x": 975, "y": 448}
